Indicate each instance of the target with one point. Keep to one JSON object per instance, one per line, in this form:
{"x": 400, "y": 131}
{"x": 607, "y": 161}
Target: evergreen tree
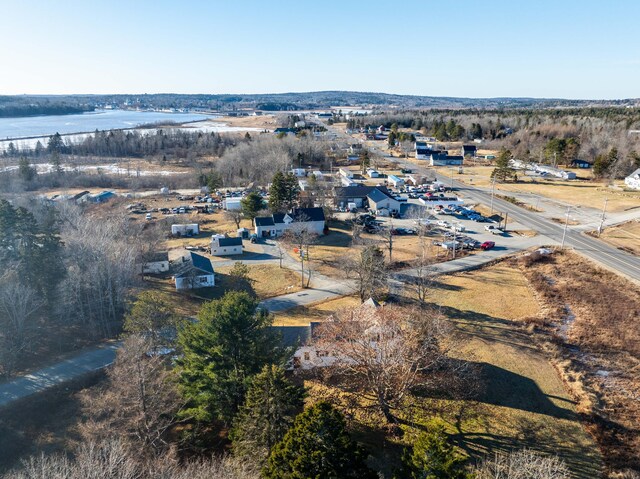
{"x": 433, "y": 457}
{"x": 251, "y": 205}
{"x": 318, "y": 446}
{"x": 25, "y": 170}
{"x": 152, "y": 315}
{"x": 269, "y": 410}
{"x": 231, "y": 341}
{"x": 55, "y": 144}
{"x": 503, "y": 171}
{"x": 283, "y": 193}
{"x": 392, "y": 139}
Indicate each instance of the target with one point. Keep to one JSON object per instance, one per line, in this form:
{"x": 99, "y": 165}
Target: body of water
{"x": 85, "y": 122}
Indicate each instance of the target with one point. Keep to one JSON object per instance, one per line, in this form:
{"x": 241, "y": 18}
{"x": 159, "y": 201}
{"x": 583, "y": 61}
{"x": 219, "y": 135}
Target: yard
{"x": 303, "y": 315}
{"x": 625, "y": 236}
{"x": 522, "y": 401}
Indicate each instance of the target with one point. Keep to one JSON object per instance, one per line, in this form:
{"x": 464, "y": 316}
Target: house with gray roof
{"x": 196, "y": 271}
{"x": 223, "y": 246}
{"x": 311, "y": 219}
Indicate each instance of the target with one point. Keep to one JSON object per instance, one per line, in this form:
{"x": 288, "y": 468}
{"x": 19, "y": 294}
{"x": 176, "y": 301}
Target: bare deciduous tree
{"x": 140, "y": 401}
{"x": 523, "y": 464}
{"x": 301, "y": 238}
{"x": 370, "y": 272}
{"x": 112, "y": 459}
{"x": 383, "y": 353}
{"x": 18, "y": 307}
{"x": 234, "y": 215}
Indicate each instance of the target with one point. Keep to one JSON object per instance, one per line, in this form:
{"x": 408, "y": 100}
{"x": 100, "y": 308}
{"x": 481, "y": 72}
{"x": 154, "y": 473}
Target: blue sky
{"x": 463, "y": 48}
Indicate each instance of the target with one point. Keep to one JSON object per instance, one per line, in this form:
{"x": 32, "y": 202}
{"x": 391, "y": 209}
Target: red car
{"x": 487, "y": 245}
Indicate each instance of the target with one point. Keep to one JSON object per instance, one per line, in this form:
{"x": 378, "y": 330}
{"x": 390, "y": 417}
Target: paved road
{"x": 57, "y": 374}
{"x": 592, "y": 248}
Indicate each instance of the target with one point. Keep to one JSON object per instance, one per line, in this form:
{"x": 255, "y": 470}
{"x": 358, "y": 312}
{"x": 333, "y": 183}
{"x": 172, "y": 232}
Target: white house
{"x": 633, "y": 180}
{"x": 373, "y": 173}
{"x": 185, "y": 229}
{"x": 395, "y": 181}
{"x": 442, "y": 159}
{"x": 156, "y": 264}
{"x": 347, "y": 181}
{"x": 196, "y": 271}
{"x": 422, "y": 150}
{"x": 380, "y": 199}
{"x": 223, "y": 246}
{"x": 232, "y": 204}
{"x": 557, "y": 172}
{"x": 346, "y": 173}
{"x": 299, "y": 172}
{"x": 311, "y": 219}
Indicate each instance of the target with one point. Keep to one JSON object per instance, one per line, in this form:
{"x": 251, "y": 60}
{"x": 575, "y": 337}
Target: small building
{"x": 318, "y": 174}
{"x": 157, "y": 263}
{"x": 347, "y": 181}
{"x": 185, "y": 229}
{"x": 422, "y": 150}
{"x": 554, "y": 171}
{"x": 395, "y": 181}
{"x": 380, "y": 199}
{"x": 353, "y": 157}
{"x": 357, "y": 195}
{"x": 226, "y": 246}
{"x": 373, "y": 173}
{"x": 196, "y": 271}
{"x": 577, "y": 163}
{"x": 346, "y": 172}
{"x": 469, "y": 150}
{"x": 442, "y": 159}
{"x": 435, "y": 201}
{"x": 633, "y": 180}
{"x": 285, "y": 131}
{"x": 232, "y": 204}
{"x": 311, "y": 219}
{"x": 243, "y": 233}
{"x": 299, "y": 172}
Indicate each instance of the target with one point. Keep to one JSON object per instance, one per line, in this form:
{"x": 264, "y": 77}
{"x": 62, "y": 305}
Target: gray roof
{"x": 309, "y": 214}
{"x": 378, "y": 194}
{"x": 264, "y": 221}
{"x": 156, "y": 257}
{"x": 202, "y": 263}
{"x": 230, "y": 242}
{"x": 359, "y": 191}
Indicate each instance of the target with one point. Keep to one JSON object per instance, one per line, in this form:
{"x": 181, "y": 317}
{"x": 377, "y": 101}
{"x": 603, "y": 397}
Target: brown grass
{"x": 268, "y": 280}
{"x": 302, "y": 315}
{"x": 625, "y": 237}
{"x": 593, "y": 329}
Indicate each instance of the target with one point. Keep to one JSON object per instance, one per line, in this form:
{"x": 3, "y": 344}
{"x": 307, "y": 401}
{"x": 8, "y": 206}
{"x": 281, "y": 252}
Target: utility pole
{"x": 604, "y": 211}
{"x": 493, "y": 189}
{"x": 566, "y": 224}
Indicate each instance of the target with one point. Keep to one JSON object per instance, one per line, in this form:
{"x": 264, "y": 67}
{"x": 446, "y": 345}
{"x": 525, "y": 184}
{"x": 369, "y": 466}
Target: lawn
{"x": 267, "y": 280}
{"x": 302, "y": 315}
{"x": 625, "y": 237}
{"x": 525, "y": 402}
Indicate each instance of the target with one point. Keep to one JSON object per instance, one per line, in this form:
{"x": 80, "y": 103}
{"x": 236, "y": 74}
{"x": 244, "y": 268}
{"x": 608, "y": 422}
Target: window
{"x": 306, "y": 356}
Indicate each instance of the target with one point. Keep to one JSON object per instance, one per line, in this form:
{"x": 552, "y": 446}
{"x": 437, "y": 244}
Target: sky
{"x": 587, "y": 49}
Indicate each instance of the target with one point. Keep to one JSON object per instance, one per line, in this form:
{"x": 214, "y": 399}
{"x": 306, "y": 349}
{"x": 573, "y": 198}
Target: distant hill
{"x": 25, "y": 105}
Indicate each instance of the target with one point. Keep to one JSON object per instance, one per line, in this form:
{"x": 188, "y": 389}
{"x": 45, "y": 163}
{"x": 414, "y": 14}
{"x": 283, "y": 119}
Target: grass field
{"x": 625, "y": 236}
{"x": 525, "y": 402}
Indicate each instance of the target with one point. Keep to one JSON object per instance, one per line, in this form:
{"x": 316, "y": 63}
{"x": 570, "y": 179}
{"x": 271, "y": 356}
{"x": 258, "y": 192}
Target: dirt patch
{"x": 591, "y": 327}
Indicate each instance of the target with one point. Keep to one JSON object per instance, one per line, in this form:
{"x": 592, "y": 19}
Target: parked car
{"x": 148, "y": 216}
{"x": 487, "y": 245}
{"x": 493, "y": 229}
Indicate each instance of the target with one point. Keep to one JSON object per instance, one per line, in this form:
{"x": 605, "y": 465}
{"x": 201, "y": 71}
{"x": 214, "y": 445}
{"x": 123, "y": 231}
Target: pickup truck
{"x": 493, "y": 229}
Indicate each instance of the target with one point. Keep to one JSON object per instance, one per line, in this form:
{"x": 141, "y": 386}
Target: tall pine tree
{"x": 231, "y": 342}
{"x": 269, "y": 410}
